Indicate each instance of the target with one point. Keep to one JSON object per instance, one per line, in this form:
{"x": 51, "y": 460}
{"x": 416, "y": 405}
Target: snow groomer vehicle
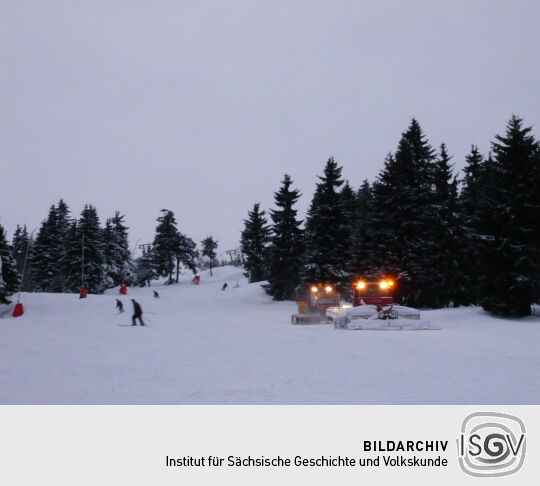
{"x": 373, "y": 308}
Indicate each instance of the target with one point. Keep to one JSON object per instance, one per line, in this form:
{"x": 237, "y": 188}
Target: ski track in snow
{"x": 205, "y": 346}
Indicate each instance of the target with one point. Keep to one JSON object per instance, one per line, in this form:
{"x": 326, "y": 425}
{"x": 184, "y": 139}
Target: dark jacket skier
{"x": 224, "y": 286}
{"x": 119, "y": 306}
{"x": 137, "y": 313}
{"x": 156, "y": 295}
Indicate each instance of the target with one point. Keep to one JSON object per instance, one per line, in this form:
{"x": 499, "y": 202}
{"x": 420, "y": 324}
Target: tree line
{"x": 447, "y": 240}
{"x": 68, "y": 252}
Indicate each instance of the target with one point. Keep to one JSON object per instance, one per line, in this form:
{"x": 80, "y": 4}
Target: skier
{"x": 224, "y": 286}
{"x": 137, "y": 313}
{"x": 119, "y": 306}
{"x": 156, "y": 295}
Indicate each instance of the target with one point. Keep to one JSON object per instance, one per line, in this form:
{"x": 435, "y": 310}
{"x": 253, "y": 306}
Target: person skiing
{"x": 224, "y": 286}
{"x": 156, "y": 295}
{"x": 137, "y": 313}
{"x": 119, "y": 306}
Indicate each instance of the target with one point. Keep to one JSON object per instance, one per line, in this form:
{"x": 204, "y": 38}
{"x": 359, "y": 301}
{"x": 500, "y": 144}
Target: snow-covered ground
{"x": 205, "y": 346}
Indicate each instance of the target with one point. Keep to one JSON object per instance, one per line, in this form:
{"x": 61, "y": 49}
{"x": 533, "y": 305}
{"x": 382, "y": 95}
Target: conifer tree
{"x": 48, "y": 252}
{"x": 145, "y": 268}
{"x": 111, "y": 269}
{"x": 209, "y": 247}
{"x": 63, "y": 223}
{"x": 350, "y": 207}
{"x": 186, "y": 254}
{"x": 254, "y": 245}
{"x": 62, "y": 218}
{"x": 119, "y": 267}
{"x": 326, "y": 234}
{"x": 84, "y": 260}
{"x": 9, "y": 277}
{"x": 405, "y": 219}
{"x": 172, "y": 248}
{"x": 286, "y": 244}
{"x": 19, "y": 244}
{"x": 22, "y": 246}
{"x": 71, "y": 263}
{"x": 471, "y": 201}
{"x": 510, "y": 224}
{"x": 44, "y": 258}
{"x": 362, "y": 261}
{"x": 165, "y": 244}
{"x": 448, "y": 235}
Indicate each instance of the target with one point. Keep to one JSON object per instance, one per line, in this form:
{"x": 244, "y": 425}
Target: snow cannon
{"x": 196, "y": 280}
{"x": 123, "y": 289}
{"x": 18, "y": 310}
{"x": 373, "y": 308}
{"x": 313, "y": 301}
{"x": 83, "y": 294}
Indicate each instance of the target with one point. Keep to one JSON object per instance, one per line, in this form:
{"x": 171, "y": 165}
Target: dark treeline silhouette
{"x": 448, "y": 241}
{"x": 68, "y": 252}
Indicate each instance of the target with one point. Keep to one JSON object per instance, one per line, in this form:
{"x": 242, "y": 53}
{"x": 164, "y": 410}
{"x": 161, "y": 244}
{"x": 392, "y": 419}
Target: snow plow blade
{"x": 387, "y": 325}
{"x": 303, "y": 319}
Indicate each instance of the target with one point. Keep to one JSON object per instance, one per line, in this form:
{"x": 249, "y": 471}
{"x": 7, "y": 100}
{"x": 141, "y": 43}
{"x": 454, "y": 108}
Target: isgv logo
{"x": 491, "y": 444}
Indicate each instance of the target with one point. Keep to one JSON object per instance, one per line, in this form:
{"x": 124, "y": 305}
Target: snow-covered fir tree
{"x": 71, "y": 263}
{"x": 172, "y": 248}
{"x": 63, "y": 224}
{"x": 448, "y": 269}
{"x": 186, "y": 255}
{"x": 44, "y": 257}
{"x": 19, "y": 243}
{"x": 165, "y": 244}
{"x": 254, "y": 244}
{"x": 145, "y": 267}
{"x": 119, "y": 267}
{"x": 9, "y": 277}
{"x": 286, "y": 244}
{"x": 208, "y": 250}
{"x": 22, "y": 246}
{"x": 471, "y": 201}
{"x": 406, "y": 219}
{"x": 327, "y": 232}
{"x": 84, "y": 259}
{"x": 510, "y": 224}
{"x": 111, "y": 269}
{"x": 48, "y": 252}
{"x": 361, "y": 262}
{"x": 349, "y": 202}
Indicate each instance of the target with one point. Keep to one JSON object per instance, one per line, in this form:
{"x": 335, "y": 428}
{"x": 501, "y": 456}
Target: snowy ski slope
{"x": 205, "y": 346}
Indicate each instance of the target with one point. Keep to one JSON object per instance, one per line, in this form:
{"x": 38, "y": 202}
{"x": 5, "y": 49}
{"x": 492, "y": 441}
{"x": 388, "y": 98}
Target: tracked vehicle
{"x": 313, "y": 302}
{"x": 373, "y": 308}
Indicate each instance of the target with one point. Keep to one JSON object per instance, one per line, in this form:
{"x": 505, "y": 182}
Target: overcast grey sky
{"x": 201, "y": 108}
